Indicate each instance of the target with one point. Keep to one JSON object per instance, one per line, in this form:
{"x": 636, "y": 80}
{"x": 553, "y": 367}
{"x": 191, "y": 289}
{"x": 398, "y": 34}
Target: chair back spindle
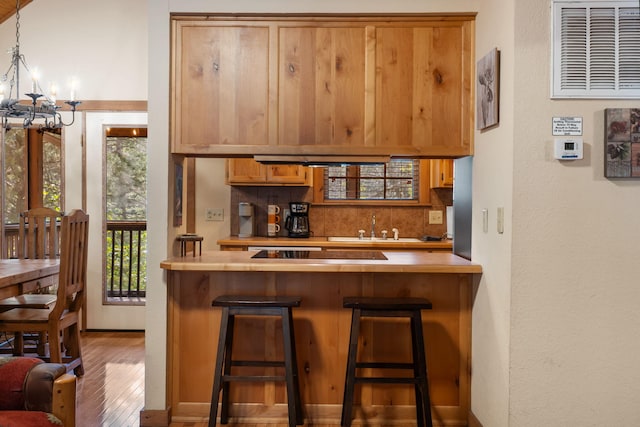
{"x": 38, "y": 234}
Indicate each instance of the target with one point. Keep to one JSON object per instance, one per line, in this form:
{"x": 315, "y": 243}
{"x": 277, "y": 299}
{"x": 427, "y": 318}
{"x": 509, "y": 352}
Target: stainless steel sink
{"x": 372, "y": 240}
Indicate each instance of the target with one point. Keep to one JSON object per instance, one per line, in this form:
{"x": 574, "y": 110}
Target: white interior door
{"x": 99, "y": 315}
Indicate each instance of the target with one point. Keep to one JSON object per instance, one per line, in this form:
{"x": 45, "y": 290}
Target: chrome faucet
{"x": 373, "y": 226}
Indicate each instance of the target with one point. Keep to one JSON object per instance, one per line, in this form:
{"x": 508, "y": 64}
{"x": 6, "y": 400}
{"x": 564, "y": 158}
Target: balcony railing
{"x": 126, "y": 266}
{"x": 126, "y": 260}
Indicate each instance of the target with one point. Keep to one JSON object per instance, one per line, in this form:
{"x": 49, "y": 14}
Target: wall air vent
{"x": 596, "y": 49}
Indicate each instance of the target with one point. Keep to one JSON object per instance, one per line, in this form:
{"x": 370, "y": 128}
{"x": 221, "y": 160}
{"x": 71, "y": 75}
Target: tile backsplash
{"x": 326, "y": 220}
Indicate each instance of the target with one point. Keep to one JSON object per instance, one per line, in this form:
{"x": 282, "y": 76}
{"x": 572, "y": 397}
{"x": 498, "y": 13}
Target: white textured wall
{"x": 493, "y": 188}
{"x": 212, "y": 193}
{"x": 101, "y": 44}
{"x": 574, "y": 282}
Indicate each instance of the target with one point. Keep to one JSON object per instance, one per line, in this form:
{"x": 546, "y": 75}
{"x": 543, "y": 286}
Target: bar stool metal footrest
{"x": 232, "y": 306}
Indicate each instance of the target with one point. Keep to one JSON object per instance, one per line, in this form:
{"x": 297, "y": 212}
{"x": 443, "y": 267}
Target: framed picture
{"x": 487, "y": 90}
{"x": 177, "y": 196}
{"x": 622, "y": 143}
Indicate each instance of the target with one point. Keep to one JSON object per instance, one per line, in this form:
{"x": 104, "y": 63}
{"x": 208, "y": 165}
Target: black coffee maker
{"x": 297, "y": 223}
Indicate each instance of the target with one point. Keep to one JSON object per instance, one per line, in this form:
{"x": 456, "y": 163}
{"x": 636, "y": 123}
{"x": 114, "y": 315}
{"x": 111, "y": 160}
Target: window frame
{"x": 423, "y": 191}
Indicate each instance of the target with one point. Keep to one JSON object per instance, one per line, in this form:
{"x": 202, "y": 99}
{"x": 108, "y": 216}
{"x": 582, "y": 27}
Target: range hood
{"x": 320, "y": 160}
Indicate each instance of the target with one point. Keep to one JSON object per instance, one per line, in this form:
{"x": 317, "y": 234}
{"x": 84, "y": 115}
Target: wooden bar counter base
{"x": 322, "y": 334}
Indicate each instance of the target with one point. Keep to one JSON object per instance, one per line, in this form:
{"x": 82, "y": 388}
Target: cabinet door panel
{"x": 322, "y": 86}
{"x": 222, "y": 92}
{"x": 419, "y": 86}
{"x": 245, "y": 171}
{"x": 242, "y": 171}
{"x": 441, "y": 173}
{"x": 446, "y": 100}
{"x": 287, "y": 174}
{"x": 394, "y": 86}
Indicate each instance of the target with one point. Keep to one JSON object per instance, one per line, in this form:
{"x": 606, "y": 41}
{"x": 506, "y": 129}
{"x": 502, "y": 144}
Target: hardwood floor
{"x": 111, "y": 392}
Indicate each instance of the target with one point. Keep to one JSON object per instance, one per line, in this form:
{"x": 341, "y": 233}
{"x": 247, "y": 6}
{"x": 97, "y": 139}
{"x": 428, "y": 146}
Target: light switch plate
{"x": 485, "y": 220}
{"x": 215, "y": 214}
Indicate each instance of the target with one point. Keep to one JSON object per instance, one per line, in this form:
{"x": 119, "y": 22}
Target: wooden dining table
{"x": 19, "y": 276}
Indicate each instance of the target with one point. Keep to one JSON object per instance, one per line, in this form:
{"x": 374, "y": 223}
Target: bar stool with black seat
{"x": 233, "y": 306}
{"x": 388, "y": 307}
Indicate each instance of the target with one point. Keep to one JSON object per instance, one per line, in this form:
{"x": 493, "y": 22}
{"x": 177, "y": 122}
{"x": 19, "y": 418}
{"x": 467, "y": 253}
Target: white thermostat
{"x": 567, "y": 148}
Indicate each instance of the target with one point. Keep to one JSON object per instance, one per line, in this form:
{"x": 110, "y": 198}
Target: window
{"x": 52, "y": 170}
{"x": 126, "y": 216}
{"x": 15, "y": 175}
{"x": 596, "y": 49}
{"x": 395, "y": 182}
{"x": 32, "y": 176}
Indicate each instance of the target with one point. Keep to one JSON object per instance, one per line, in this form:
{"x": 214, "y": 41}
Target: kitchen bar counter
{"x": 322, "y": 333}
{"x": 397, "y": 262}
{"x": 242, "y": 243}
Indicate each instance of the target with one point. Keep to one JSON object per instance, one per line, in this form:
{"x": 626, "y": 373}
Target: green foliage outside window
{"x": 15, "y": 200}
{"x": 126, "y": 160}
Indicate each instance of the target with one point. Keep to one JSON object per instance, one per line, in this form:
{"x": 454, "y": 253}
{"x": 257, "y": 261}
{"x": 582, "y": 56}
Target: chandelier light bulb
{"x": 53, "y": 92}
{"x": 35, "y": 76}
{"x": 74, "y": 88}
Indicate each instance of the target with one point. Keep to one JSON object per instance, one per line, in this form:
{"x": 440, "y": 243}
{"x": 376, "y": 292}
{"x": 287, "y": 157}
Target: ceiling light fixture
{"x": 11, "y": 108}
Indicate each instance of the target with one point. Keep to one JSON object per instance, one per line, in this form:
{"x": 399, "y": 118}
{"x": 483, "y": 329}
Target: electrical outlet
{"x": 215, "y": 214}
{"x": 435, "y": 217}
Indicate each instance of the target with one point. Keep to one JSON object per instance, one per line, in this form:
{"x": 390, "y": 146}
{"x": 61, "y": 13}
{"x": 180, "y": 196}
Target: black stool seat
{"x": 388, "y": 307}
{"x": 386, "y": 304}
{"x": 254, "y": 305}
{"x": 256, "y": 301}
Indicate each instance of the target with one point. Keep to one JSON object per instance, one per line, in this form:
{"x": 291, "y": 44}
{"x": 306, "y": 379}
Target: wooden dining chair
{"x": 38, "y": 233}
{"x": 38, "y": 238}
{"x": 61, "y": 322}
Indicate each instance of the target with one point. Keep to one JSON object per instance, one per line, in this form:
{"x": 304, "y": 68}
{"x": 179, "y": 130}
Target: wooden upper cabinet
{"x": 323, "y": 85}
{"x": 221, "y": 87}
{"x": 321, "y": 92}
{"x": 249, "y": 172}
{"x": 423, "y": 81}
{"x": 441, "y": 173}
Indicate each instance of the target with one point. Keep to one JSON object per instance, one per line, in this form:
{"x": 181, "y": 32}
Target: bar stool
{"x": 388, "y": 307}
{"x": 233, "y": 306}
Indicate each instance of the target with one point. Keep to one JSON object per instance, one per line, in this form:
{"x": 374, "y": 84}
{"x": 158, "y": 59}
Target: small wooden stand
{"x": 184, "y": 238}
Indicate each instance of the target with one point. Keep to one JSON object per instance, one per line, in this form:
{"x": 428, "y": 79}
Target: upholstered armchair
{"x": 36, "y": 394}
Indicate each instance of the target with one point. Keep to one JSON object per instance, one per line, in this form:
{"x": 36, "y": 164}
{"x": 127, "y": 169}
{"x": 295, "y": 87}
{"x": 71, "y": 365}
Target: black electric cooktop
{"x": 346, "y": 255}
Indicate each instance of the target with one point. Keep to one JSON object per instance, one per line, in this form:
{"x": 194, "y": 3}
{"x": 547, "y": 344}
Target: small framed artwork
{"x": 622, "y": 143}
{"x": 487, "y": 90}
{"x": 177, "y": 195}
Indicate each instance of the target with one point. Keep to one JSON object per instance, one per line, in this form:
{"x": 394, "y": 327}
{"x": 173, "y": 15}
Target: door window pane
{"x": 126, "y": 215}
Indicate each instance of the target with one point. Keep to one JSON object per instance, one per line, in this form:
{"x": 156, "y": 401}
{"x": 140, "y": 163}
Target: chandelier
{"x": 37, "y": 106}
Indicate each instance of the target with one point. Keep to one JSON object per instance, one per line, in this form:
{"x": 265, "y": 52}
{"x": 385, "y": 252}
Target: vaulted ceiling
{"x": 8, "y": 8}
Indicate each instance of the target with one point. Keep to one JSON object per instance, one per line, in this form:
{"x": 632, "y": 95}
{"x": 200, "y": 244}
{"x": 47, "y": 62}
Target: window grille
{"x": 398, "y": 179}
